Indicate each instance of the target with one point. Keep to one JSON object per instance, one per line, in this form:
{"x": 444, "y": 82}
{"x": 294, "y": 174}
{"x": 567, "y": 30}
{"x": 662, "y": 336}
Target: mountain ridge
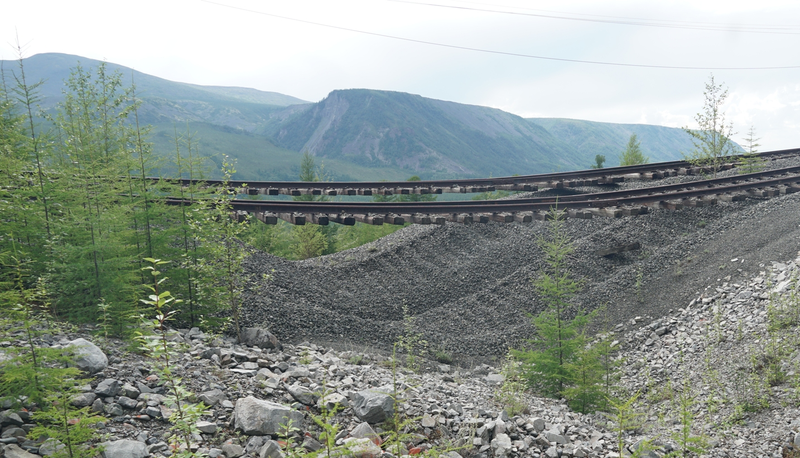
{"x": 359, "y": 134}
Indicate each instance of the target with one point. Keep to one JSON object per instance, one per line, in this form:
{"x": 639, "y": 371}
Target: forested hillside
{"x": 358, "y": 134}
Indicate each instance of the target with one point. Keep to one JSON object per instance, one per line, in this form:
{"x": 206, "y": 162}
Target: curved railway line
{"x": 610, "y": 204}
{"x": 513, "y": 183}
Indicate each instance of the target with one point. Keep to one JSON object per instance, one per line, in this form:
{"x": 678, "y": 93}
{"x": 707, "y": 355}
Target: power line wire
{"x": 490, "y": 51}
{"x": 708, "y": 26}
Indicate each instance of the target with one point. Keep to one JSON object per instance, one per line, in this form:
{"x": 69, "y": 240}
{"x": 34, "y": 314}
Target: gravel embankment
{"x": 469, "y": 286}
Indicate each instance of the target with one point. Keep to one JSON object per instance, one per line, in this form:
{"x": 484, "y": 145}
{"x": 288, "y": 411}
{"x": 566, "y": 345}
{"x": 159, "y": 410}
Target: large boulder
{"x": 255, "y": 417}
{"x": 124, "y": 448}
{"x": 373, "y": 406}
{"x": 260, "y": 337}
{"x": 88, "y": 356}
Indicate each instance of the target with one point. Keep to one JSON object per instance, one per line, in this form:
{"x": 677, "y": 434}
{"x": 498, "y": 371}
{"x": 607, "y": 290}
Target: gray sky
{"x": 307, "y": 48}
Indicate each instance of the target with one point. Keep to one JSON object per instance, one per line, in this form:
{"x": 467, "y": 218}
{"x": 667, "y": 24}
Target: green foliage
{"x": 599, "y": 160}
{"x": 41, "y": 376}
{"x": 751, "y": 161}
{"x": 633, "y": 154}
{"x": 155, "y": 342}
{"x": 586, "y": 391}
{"x": 688, "y": 444}
{"x": 411, "y": 341}
{"x": 221, "y": 266}
{"x": 309, "y": 241}
{"x": 493, "y": 195}
{"x": 511, "y": 394}
{"x": 625, "y": 418}
{"x": 712, "y": 139}
{"x": 559, "y": 339}
{"x": 360, "y": 234}
{"x": 326, "y": 421}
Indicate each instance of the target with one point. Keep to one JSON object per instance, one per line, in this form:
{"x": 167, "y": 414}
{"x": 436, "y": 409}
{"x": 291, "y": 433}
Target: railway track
{"x": 610, "y": 204}
{"x": 556, "y": 180}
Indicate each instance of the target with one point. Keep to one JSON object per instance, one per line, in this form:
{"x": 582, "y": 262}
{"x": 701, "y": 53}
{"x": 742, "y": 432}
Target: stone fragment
{"x": 362, "y": 448}
{"x": 501, "y": 445}
{"x": 50, "y": 447}
{"x": 302, "y": 394}
{"x": 127, "y": 402}
{"x": 373, "y": 406}
{"x": 232, "y": 450}
{"x": 129, "y": 390}
{"x": 8, "y": 417}
{"x": 365, "y": 431}
{"x": 259, "y": 337}
{"x": 124, "y": 448}
{"x": 83, "y": 399}
{"x": 88, "y": 356}
{"x": 494, "y": 379}
{"x": 14, "y": 451}
{"x": 255, "y": 417}
{"x": 207, "y": 427}
{"x": 212, "y": 397}
{"x": 113, "y": 409}
{"x": 107, "y": 388}
{"x": 271, "y": 449}
{"x": 333, "y": 401}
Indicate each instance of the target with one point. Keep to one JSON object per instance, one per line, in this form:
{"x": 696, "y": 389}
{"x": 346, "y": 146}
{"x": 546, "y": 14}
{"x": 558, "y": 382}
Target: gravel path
{"x": 469, "y": 286}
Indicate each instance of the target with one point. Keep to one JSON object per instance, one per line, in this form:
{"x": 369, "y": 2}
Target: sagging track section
{"x": 612, "y": 204}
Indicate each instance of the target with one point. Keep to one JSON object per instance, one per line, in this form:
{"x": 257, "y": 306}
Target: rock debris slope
{"x": 469, "y": 286}
{"x": 732, "y": 349}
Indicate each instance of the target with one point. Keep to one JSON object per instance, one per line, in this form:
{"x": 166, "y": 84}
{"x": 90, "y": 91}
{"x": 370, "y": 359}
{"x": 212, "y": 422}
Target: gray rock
{"x": 213, "y": 397}
{"x": 333, "y": 401}
{"x": 373, "y": 406}
{"x": 254, "y": 444}
{"x": 8, "y": 417}
{"x": 88, "y": 356}
{"x": 50, "y": 447}
{"x": 259, "y": 337}
{"x": 232, "y": 450}
{"x": 255, "y": 417}
{"x": 13, "y": 451}
{"x": 124, "y": 448}
{"x": 107, "y": 388}
{"x": 113, "y": 409}
{"x": 207, "y": 427}
{"x": 127, "y": 402}
{"x": 129, "y": 391}
{"x": 538, "y": 424}
{"x": 84, "y": 399}
{"x": 365, "y": 431}
{"x": 302, "y": 394}
{"x": 557, "y": 438}
{"x": 362, "y": 448}
{"x": 501, "y": 445}
{"x": 494, "y": 379}
{"x": 97, "y": 406}
{"x": 13, "y": 431}
{"x": 271, "y": 449}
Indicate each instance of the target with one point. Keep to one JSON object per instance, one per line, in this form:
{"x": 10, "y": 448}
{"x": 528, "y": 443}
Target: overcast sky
{"x": 307, "y": 48}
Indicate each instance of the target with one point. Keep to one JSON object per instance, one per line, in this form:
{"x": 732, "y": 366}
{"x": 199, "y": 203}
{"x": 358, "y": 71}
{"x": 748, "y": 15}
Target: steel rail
{"x": 639, "y": 196}
{"x": 439, "y": 185}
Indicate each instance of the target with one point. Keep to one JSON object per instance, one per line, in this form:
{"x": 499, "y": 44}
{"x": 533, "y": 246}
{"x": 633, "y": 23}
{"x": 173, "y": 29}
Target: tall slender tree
{"x": 712, "y": 138}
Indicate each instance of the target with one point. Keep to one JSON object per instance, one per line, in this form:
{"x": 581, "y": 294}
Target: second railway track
{"x": 610, "y": 204}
